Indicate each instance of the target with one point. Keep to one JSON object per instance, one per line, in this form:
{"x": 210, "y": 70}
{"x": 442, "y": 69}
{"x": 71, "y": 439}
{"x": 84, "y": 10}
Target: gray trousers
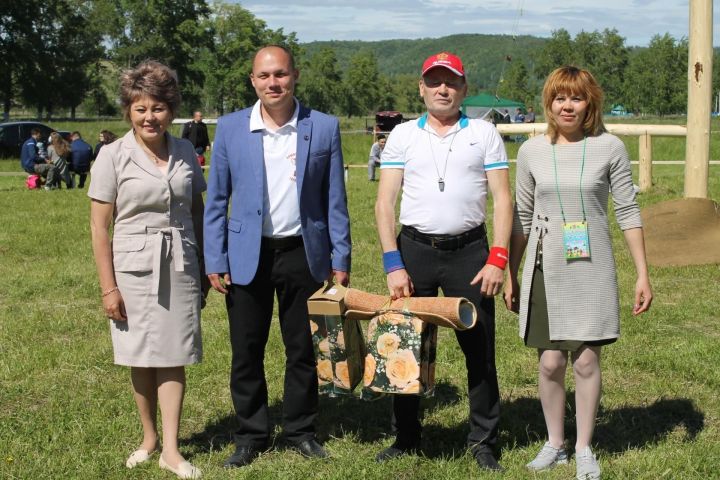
{"x": 47, "y": 171}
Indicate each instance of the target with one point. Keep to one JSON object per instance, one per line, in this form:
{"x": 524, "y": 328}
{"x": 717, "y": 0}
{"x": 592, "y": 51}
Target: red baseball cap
{"x": 445, "y": 60}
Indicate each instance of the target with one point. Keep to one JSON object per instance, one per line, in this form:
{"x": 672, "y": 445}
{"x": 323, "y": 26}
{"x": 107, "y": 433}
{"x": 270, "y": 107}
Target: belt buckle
{"x": 433, "y": 242}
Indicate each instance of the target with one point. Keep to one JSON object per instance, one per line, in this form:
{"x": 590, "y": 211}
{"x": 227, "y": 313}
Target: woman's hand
{"x": 512, "y": 294}
{"x": 643, "y": 296}
{"x": 114, "y": 306}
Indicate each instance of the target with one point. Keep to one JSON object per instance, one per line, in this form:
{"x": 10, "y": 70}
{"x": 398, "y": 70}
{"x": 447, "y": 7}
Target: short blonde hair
{"x": 152, "y": 79}
{"x": 574, "y": 81}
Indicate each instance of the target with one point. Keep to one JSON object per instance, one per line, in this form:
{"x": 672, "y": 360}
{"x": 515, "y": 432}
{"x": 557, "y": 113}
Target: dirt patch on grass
{"x": 682, "y": 232}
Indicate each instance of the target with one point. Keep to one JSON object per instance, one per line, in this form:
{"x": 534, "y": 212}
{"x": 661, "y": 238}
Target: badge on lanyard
{"x": 576, "y": 240}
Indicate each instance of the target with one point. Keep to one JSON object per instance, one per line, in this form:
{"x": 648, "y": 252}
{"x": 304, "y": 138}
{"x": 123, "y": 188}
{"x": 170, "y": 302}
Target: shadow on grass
{"x": 636, "y": 427}
{"x": 617, "y": 430}
{"x": 367, "y": 421}
{"x": 370, "y": 421}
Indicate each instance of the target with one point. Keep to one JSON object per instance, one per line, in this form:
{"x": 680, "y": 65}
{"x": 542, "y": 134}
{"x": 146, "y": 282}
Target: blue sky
{"x": 636, "y": 20}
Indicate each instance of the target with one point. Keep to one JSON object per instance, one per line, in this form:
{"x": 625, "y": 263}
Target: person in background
{"x": 81, "y": 155}
{"x": 33, "y": 163}
{"x": 148, "y": 187}
{"x": 375, "y": 152}
{"x": 196, "y": 131}
{"x": 276, "y": 224}
{"x": 59, "y": 153}
{"x": 105, "y": 137}
{"x": 568, "y": 303}
{"x": 518, "y": 118}
{"x": 445, "y": 165}
{"x": 530, "y": 115}
{"x": 505, "y": 119}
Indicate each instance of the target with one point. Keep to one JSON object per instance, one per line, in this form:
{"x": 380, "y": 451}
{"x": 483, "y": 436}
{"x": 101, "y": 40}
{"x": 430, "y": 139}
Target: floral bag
{"x": 339, "y": 351}
{"x": 400, "y": 354}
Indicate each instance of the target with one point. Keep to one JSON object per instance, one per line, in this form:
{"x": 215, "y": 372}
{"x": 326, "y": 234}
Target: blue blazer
{"x": 237, "y": 180}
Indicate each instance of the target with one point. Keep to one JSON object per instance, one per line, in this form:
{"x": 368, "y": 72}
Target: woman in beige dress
{"x": 569, "y": 301}
{"x": 148, "y": 186}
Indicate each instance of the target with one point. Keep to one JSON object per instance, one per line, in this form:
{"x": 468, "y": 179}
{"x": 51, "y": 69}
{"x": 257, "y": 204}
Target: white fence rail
{"x": 644, "y": 132}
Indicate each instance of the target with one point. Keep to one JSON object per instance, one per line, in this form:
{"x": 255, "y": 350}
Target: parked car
{"x": 14, "y": 134}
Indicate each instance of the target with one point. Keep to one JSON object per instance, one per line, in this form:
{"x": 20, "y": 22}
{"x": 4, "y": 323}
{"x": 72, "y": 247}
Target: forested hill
{"x": 482, "y": 55}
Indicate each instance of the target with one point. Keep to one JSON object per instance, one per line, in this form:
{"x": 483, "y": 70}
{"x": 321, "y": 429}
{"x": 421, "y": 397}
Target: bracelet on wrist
{"x": 498, "y": 257}
{"x": 392, "y": 261}
{"x": 108, "y": 292}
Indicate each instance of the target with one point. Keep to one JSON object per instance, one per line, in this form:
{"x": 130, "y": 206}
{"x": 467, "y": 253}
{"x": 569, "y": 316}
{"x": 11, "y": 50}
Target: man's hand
{"x": 490, "y": 279}
{"x": 220, "y": 281}
{"x": 341, "y": 278}
{"x": 400, "y": 284}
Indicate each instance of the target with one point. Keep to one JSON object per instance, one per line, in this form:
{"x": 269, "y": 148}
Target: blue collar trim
{"x": 464, "y": 121}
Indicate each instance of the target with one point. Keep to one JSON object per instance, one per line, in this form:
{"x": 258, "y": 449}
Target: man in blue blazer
{"x": 276, "y": 221}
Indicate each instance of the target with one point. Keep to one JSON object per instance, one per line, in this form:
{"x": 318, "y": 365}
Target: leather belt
{"x": 445, "y": 242}
{"x": 282, "y": 243}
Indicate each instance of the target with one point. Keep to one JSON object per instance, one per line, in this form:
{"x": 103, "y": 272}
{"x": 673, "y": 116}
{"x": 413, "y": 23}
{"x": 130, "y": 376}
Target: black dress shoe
{"x": 243, "y": 455}
{"x": 485, "y": 458}
{"x": 397, "y": 449}
{"x": 309, "y": 448}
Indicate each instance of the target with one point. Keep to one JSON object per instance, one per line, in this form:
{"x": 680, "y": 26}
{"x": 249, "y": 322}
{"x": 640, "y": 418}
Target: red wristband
{"x": 498, "y": 257}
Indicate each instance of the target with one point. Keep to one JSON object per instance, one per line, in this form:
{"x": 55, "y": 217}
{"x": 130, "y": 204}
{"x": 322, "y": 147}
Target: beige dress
{"x": 155, "y": 254}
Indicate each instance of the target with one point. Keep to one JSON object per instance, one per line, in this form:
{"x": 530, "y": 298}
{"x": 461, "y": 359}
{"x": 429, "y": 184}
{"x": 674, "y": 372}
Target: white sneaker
{"x": 548, "y": 457}
{"x": 587, "y": 465}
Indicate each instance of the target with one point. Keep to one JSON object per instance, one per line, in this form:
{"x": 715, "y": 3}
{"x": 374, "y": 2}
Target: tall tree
{"x": 610, "y": 64}
{"x": 557, "y": 51}
{"x": 16, "y": 55}
{"x": 362, "y": 89}
{"x": 235, "y": 35}
{"x": 168, "y": 31}
{"x": 656, "y": 78}
{"x": 515, "y": 85}
{"x": 586, "y": 47}
{"x": 320, "y": 83}
{"x": 60, "y": 49}
{"x": 407, "y": 93}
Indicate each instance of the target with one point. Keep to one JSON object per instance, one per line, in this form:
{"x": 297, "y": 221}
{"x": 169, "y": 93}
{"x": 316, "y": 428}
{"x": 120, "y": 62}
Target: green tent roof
{"x": 490, "y": 101}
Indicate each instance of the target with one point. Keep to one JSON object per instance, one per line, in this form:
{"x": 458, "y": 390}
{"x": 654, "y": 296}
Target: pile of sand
{"x": 682, "y": 232}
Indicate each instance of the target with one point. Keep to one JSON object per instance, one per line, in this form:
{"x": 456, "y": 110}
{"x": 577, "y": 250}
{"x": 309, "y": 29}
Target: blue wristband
{"x": 392, "y": 261}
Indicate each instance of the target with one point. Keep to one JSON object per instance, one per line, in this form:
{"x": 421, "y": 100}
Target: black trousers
{"x": 250, "y": 309}
{"x": 452, "y": 271}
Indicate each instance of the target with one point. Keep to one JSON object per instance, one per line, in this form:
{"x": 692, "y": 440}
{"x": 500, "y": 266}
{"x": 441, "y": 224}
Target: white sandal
{"x": 137, "y": 457}
{"x": 184, "y": 470}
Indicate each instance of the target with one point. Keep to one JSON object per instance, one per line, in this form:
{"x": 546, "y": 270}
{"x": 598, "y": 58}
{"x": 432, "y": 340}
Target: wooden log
{"x": 645, "y": 161}
{"x": 697, "y": 150}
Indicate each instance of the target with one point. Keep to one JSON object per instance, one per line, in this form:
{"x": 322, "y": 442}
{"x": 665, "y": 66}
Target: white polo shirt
{"x": 281, "y": 208}
{"x": 470, "y": 148}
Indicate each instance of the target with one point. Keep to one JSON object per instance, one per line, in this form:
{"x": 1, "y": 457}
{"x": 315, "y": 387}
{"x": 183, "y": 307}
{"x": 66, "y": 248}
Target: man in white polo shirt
{"x": 276, "y": 222}
{"x": 445, "y": 163}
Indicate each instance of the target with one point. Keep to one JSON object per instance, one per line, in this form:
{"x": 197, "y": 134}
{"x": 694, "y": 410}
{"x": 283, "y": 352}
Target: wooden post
{"x": 645, "y": 160}
{"x": 697, "y": 151}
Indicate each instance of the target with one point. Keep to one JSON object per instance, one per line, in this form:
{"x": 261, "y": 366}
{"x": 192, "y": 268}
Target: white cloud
{"x": 637, "y": 20}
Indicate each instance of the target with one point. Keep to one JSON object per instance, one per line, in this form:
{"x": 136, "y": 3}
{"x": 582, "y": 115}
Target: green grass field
{"x": 67, "y": 412}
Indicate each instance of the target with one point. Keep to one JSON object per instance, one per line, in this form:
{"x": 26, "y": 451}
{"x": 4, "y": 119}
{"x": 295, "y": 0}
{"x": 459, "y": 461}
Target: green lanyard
{"x": 557, "y": 188}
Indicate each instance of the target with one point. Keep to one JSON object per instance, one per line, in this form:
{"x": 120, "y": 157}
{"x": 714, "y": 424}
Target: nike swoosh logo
{"x": 473, "y": 143}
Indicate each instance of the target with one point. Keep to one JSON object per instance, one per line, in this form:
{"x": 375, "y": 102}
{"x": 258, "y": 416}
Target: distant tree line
{"x": 650, "y": 80}
{"x": 67, "y": 55}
